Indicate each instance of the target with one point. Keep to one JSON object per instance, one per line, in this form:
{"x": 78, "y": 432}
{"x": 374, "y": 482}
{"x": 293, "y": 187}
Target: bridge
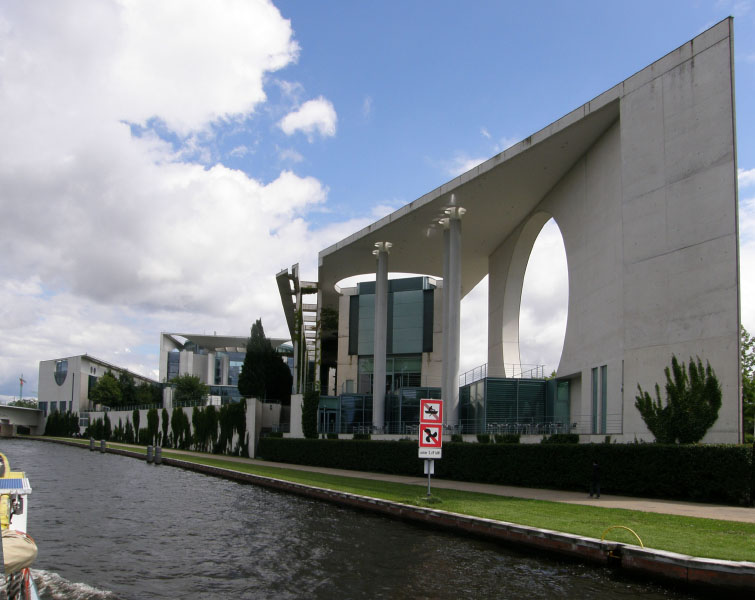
{"x": 13, "y": 417}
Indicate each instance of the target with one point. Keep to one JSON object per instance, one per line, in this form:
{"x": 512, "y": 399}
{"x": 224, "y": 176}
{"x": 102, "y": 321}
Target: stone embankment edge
{"x": 735, "y": 577}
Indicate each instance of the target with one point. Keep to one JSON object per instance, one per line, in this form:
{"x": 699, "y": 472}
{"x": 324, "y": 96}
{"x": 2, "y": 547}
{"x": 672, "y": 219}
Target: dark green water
{"x": 115, "y": 527}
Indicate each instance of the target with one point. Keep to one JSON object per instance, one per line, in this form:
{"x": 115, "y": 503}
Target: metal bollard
{"x": 103, "y": 446}
{"x": 149, "y": 454}
{"x": 158, "y": 455}
{"x": 91, "y": 444}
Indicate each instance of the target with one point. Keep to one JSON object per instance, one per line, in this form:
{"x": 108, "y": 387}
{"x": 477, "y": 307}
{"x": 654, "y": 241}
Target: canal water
{"x": 112, "y": 527}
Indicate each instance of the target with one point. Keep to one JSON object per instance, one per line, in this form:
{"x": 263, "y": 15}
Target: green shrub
{"x": 701, "y": 473}
{"x": 275, "y": 434}
{"x": 693, "y": 399}
{"x": 561, "y": 438}
{"x": 332, "y": 436}
{"x": 457, "y": 438}
{"x": 361, "y": 436}
{"x": 507, "y": 438}
{"x": 483, "y": 438}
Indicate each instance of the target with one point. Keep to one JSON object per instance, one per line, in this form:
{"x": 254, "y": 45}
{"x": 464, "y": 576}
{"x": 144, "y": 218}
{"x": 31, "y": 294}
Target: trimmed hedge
{"x": 700, "y": 473}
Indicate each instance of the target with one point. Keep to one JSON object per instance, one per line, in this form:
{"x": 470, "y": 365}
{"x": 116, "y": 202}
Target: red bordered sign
{"x": 430, "y": 428}
{"x": 431, "y": 411}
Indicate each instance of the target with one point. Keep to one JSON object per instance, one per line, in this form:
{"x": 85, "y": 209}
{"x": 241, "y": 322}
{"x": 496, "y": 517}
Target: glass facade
{"x": 400, "y": 371}
{"x": 603, "y": 397}
{"x": 513, "y": 405}
{"x": 595, "y": 400}
{"x": 410, "y": 317}
{"x": 174, "y": 358}
{"x": 407, "y": 321}
{"x": 61, "y": 370}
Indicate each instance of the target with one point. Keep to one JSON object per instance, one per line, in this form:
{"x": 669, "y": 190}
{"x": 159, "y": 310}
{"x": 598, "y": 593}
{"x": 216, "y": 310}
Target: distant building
{"x": 65, "y": 383}
{"x": 215, "y": 359}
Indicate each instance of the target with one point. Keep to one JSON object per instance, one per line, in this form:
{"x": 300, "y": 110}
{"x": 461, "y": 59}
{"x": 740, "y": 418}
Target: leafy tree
{"x": 128, "y": 433}
{"x": 107, "y": 391}
{"x": 165, "y": 424}
{"x": 189, "y": 389}
{"x": 692, "y": 404}
{"x": 24, "y": 403}
{"x": 264, "y": 374}
{"x": 128, "y": 389}
{"x": 747, "y": 349}
{"x": 135, "y": 418}
{"x": 309, "y": 413}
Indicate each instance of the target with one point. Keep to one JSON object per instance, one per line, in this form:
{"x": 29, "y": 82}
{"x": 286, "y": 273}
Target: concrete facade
{"x": 641, "y": 182}
{"x": 72, "y": 393}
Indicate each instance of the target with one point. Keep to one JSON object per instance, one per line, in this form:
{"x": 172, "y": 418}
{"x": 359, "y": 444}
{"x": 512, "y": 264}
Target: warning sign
{"x": 430, "y": 436}
{"x": 431, "y": 411}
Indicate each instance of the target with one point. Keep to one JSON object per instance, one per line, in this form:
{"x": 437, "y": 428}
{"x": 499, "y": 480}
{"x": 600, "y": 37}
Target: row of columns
{"x": 451, "y": 322}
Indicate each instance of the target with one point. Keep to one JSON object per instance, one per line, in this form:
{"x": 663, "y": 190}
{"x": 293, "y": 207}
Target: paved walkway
{"x": 671, "y": 507}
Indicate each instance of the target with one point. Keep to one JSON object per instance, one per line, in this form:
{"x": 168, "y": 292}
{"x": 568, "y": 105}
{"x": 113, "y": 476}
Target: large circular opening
{"x": 544, "y": 302}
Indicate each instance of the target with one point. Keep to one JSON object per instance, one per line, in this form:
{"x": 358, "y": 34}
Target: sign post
{"x": 430, "y": 435}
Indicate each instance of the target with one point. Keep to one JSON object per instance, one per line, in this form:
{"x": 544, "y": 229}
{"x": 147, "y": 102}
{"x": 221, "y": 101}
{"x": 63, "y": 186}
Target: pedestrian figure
{"x": 595, "y": 481}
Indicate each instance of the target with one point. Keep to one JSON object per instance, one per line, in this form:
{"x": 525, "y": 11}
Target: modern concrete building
{"x": 65, "y": 383}
{"x": 215, "y": 359}
{"x": 642, "y": 183}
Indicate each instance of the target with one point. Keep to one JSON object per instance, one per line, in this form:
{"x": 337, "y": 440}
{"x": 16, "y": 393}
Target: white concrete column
{"x": 444, "y": 389}
{"x": 380, "y": 335}
{"x": 452, "y": 320}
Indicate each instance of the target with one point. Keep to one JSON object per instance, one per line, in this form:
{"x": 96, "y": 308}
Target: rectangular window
{"x": 603, "y": 397}
{"x": 407, "y": 322}
{"x": 594, "y": 428}
{"x": 43, "y": 408}
{"x": 53, "y": 407}
{"x": 366, "y": 335}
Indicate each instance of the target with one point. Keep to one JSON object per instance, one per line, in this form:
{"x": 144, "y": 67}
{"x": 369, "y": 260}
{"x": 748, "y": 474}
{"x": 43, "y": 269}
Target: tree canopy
{"x": 264, "y": 374}
{"x": 24, "y": 403}
{"x": 188, "y": 389}
{"x": 747, "y": 349}
{"x": 693, "y": 399}
{"x": 107, "y": 391}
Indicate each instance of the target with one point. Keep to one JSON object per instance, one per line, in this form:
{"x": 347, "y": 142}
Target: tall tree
{"x": 107, "y": 391}
{"x": 264, "y": 374}
{"x": 188, "y": 390}
{"x": 252, "y": 377}
{"x": 128, "y": 389}
{"x": 692, "y": 403}
{"x": 747, "y": 349}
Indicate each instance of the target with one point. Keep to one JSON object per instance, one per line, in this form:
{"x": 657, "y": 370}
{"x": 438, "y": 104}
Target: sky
{"x": 162, "y": 160}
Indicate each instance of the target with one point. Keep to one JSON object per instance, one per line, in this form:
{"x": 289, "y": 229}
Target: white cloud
{"x": 461, "y": 163}
{"x": 747, "y": 261}
{"x": 746, "y": 178}
{"x": 313, "y": 116}
{"x": 290, "y": 155}
{"x": 239, "y": 151}
{"x": 108, "y": 238}
{"x": 542, "y": 321}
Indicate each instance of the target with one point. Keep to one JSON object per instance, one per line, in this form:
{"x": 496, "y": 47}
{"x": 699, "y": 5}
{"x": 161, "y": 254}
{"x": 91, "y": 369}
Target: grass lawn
{"x": 707, "y": 538}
